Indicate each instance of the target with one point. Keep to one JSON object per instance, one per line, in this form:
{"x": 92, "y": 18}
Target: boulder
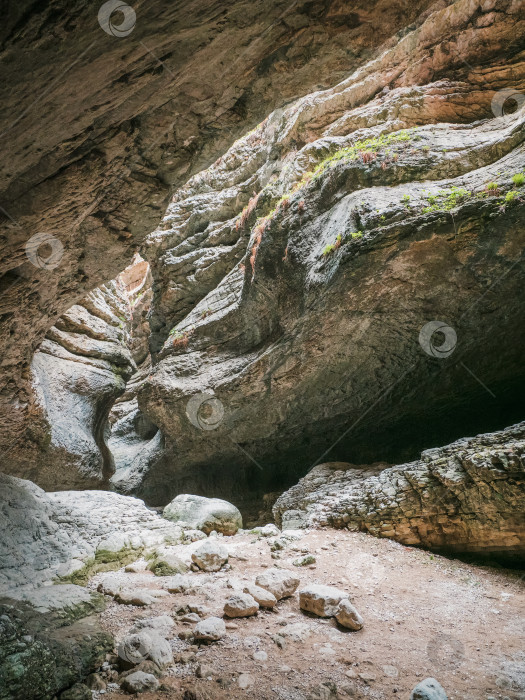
{"x": 280, "y": 582}
{"x": 209, "y": 630}
{"x": 204, "y": 514}
{"x": 429, "y": 689}
{"x": 241, "y": 605}
{"x": 144, "y": 645}
{"x": 140, "y": 682}
{"x": 265, "y": 598}
{"x": 320, "y": 600}
{"x": 347, "y": 615}
{"x": 210, "y": 556}
{"x": 166, "y": 564}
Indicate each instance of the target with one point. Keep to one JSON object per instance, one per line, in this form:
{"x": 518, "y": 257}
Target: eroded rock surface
{"x": 468, "y": 496}
{"x": 294, "y": 276}
{"x": 49, "y": 535}
{"x": 78, "y": 372}
{"x": 91, "y": 157}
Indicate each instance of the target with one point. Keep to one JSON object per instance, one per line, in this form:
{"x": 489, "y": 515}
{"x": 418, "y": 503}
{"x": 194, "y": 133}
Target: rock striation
{"x": 294, "y": 276}
{"x": 78, "y": 372}
{"x": 466, "y": 497}
{"x": 154, "y": 107}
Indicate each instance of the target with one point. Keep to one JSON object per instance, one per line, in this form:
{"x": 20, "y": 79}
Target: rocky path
{"x": 424, "y": 616}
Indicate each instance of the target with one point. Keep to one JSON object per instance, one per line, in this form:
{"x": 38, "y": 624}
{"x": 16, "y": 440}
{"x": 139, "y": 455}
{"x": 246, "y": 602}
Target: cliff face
{"x": 336, "y": 285}
{"x": 98, "y": 127}
{"x": 295, "y": 278}
{"x": 466, "y": 497}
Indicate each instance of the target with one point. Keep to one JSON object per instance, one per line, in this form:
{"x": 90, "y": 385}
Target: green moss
{"x": 511, "y": 196}
{"x": 518, "y": 179}
{"x": 446, "y": 200}
{"x": 374, "y": 145}
{"x": 102, "y": 561}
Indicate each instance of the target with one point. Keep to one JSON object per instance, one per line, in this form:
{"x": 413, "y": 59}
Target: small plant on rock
{"x": 511, "y": 196}
{"x": 180, "y": 339}
{"x": 405, "y": 199}
{"x": 518, "y": 179}
{"x": 368, "y": 156}
{"x": 492, "y": 188}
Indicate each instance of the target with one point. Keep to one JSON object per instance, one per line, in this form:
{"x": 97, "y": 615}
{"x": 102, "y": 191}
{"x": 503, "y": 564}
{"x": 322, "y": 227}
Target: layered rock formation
{"x": 98, "y": 124}
{"x": 293, "y": 278}
{"x": 78, "y": 372}
{"x": 466, "y": 497}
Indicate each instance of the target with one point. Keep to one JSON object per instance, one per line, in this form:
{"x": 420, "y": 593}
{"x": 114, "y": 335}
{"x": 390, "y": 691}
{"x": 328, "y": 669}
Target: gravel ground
{"x": 425, "y": 615}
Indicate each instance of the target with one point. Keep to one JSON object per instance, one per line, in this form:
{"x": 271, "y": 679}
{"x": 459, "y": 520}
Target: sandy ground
{"x": 425, "y": 615}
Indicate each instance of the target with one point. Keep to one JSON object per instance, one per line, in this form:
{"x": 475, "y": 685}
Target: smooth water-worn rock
{"x": 209, "y": 630}
{"x": 78, "y": 372}
{"x": 206, "y": 514}
{"x": 49, "y": 535}
{"x": 109, "y": 157}
{"x": 296, "y": 278}
{"x": 468, "y": 496}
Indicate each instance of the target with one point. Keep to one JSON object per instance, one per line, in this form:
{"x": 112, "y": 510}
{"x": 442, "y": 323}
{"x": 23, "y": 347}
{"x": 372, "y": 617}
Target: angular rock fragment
{"x": 210, "y": 556}
{"x": 241, "y": 605}
{"x": 347, "y": 615}
{"x": 265, "y": 598}
{"x": 320, "y": 600}
{"x": 280, "y": 582}
{"x": 140, "y": 682}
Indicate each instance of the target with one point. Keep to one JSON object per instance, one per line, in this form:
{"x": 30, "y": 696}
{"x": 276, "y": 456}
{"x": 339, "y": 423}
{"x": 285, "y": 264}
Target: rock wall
{"x": 78, "y": 372}
{"x": 99, "y": 127}
{"x": 293, "y": 278}
{"x": 466, "y": 497}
